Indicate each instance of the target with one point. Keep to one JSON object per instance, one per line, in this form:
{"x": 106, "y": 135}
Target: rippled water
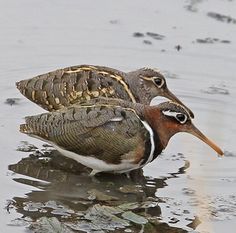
{"x": 188, "y": 187}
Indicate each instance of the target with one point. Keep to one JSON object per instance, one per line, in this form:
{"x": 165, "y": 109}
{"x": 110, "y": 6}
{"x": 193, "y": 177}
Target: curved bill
{"x": 196, "y": 132}
{"x": 168, "y": 94}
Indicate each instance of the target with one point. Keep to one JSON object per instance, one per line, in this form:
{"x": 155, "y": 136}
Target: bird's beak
{"x": 168, "y": 94}
{"x": 196, "y": 132}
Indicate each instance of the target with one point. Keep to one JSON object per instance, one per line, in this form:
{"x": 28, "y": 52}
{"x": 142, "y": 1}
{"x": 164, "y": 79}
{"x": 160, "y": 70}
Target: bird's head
{"x": 155, "y": 83}
{"x": 169, "y": 118}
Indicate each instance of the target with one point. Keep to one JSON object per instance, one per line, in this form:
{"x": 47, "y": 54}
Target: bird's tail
{"x": 24, "y": 128}
{"x": 34, "y": 127}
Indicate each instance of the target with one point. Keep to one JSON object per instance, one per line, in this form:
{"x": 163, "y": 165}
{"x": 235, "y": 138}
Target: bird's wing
{"x": 55, "y": 89}
{"x": 64, "y": 87}
{"x": 110, "y": 133}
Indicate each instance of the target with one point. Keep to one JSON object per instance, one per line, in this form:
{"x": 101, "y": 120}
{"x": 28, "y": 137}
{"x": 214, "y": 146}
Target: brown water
{"x": 188, "y": 183}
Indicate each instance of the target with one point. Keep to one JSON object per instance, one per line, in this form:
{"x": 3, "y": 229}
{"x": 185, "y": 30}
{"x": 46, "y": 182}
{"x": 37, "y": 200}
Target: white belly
{"x": 98, "y": 165}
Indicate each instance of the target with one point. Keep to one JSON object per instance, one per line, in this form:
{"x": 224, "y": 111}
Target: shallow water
{"x": 188, "y": 183}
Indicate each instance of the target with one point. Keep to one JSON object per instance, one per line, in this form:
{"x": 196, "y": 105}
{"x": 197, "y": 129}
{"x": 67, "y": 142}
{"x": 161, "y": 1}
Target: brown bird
{"x": 67, "y": 86}
{"x": 113, "y": 135}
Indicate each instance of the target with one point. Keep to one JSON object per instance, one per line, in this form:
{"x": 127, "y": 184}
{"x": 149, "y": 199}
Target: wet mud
{"x": 148, "y": 37}
{"x": 70, "y": 200}
{"x": 187, "y": 188}
{"x": 221, "y": 17}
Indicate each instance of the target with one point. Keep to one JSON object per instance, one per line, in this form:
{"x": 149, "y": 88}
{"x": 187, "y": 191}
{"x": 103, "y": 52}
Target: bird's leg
{"x": 127, "y": 174}
{"x": 93, "y": 172}
{"x": 93, "y": 177}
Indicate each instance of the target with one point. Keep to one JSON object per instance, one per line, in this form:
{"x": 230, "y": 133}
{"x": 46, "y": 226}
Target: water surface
{"x": 188, "y": 186}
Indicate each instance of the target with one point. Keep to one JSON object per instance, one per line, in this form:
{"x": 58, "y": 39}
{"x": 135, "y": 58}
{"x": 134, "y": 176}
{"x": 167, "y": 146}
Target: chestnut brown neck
{"x": 163, "y": 126}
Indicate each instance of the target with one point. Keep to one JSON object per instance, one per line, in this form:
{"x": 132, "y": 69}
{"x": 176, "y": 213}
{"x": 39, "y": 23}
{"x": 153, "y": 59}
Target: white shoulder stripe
{"x": 149, "y": 129}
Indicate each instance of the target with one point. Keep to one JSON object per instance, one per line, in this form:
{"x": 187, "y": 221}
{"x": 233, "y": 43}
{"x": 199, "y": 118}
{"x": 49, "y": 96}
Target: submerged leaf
{"x": 49, "y": 225}
{"x": 129, "y": 206}
{"x": 103, "y": 219}
{"x": 129, "y": 215}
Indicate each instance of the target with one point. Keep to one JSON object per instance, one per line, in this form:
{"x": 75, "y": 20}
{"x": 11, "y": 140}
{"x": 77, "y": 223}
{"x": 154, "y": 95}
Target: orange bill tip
{"x": 196, "y": 132}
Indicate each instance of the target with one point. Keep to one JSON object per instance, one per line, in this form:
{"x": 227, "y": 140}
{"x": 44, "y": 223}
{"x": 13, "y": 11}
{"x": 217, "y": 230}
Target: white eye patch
{"x": 180, "y": 117}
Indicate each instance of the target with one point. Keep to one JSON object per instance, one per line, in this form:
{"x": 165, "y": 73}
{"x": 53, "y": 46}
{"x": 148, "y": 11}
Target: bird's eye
{"x": 182, "y": 118}
{"x": 158, "y": 81}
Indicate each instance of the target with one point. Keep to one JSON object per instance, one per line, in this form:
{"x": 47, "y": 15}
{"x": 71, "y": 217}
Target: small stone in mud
{"x": 173, "y": 220}
{"x": 210, "y": 40}
{"x": 178, "y": 47}
{"x": 222, "y": 18}
{"x": 205, "y": 41}
{"x": 226, "y": 41}
{"x": 138, "y": 34}
{"x": 181, "y": 155}
{"x": 147, "y": 42}
{"x": 155, "y": 36}
{"x": 26, "y": 147}
{"x": 12, "y": 101}
{"x": 186, "y": 212}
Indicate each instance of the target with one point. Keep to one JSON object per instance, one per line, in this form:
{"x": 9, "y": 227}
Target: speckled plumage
{"x": 110, "y": 131}
{"x": 112, "y": 135}
{"x": 67, "y": 86}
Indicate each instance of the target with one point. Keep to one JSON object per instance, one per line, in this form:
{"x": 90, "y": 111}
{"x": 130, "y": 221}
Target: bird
{"x": 64, "y": 87}
{"x": 112, "y": 135}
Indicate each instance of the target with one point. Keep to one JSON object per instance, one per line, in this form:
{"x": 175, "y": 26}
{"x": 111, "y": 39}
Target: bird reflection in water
{"x": 70, "y": 200}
